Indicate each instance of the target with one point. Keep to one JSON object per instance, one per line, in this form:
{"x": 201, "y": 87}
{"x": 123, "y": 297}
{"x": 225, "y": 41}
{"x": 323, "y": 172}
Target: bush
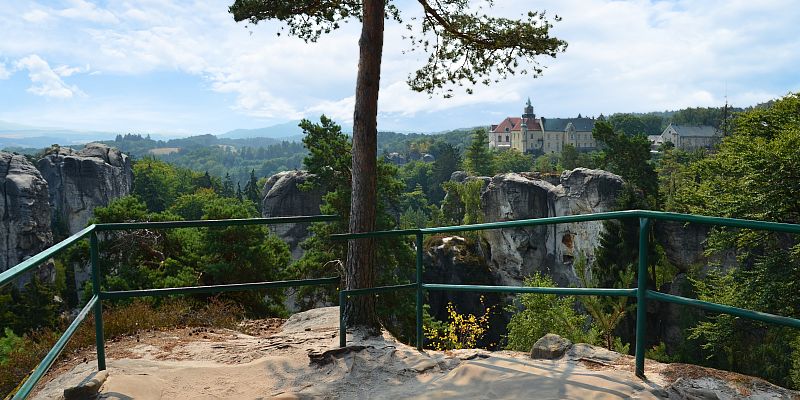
{"x": 543, "y": 314}
{"x": 461, "y": 331}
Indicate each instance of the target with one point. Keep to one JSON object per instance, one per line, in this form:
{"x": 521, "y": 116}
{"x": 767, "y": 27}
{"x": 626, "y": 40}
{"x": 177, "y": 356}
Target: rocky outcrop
{"x": 515, "y": 253}
{"x": 79, "y": 181}
{"x": 25, "y": 211}
{"x": 283, "y": 197}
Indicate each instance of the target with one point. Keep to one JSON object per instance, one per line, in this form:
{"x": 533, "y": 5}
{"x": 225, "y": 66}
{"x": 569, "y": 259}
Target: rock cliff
{"x": 81, "y": 180}
{"x": 25, "y": 211}
{"x": 552, "y": 249}
{"x": 283, "y": 197}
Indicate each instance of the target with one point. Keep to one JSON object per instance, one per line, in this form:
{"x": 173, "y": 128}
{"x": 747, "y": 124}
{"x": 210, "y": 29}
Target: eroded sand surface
{"x": 302, "y": 361}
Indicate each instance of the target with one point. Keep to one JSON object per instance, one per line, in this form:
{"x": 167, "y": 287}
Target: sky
{"x": 185, "y": 67}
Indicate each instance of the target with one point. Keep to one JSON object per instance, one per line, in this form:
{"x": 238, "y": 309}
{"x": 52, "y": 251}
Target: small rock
{"x": 87, "y": 389}
{"x": 550, "y": 347}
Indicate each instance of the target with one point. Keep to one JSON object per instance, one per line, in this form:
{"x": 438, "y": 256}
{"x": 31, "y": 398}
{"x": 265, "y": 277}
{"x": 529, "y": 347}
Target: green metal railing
{"x": 641, "y": 293}
{"x": 95, "y": 303}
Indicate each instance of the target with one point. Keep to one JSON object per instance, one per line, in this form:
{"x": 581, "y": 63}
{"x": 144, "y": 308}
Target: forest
{"x": 752, "y": 174}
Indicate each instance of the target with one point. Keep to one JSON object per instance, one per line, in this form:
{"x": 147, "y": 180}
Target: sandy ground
{"x": 302, "y": 360}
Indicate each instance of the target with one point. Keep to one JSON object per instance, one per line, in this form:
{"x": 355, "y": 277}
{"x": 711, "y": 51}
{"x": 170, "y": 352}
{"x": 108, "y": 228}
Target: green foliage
{"x": 628, "y": 156}
{"x": 635, "y": 124}
{"x": 478, "y": 158}
{"x": 752, "y": 176}
{"x": 8, "y": 342}
{"x": 464, "y": 45}
{"x": 239, "y": 254}
{"x": 606, "y": 312}
{"x": 448, "y": 160}
{"x": 546, "y": 163}
{"x": 31, "y": 308}
{"x": 330, "y": 159}
{"x": 545, "y": 313}
{"x": 512, "y": 160}
{"x": 658, "y": 353}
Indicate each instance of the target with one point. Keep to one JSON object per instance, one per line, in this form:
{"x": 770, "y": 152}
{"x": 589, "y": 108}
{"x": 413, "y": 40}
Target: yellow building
{"x": 529, "y": 134}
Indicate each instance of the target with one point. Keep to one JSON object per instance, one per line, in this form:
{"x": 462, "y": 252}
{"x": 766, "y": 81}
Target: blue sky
{"x": 185, "y": 67}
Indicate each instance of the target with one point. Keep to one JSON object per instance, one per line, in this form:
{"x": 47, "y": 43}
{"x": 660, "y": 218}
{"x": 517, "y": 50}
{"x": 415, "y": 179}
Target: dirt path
{"x": 302, "y": 360}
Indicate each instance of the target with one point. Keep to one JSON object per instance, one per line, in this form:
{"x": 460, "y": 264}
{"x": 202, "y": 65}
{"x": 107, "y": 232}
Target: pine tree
{"x": 251, "y": 191}
{"x": 478, "y": 159}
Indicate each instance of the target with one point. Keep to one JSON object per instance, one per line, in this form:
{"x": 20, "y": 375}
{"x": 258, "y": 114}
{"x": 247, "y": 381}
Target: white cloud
{"x": 5, "y": 73}
{"x": 637, "y": 55}
{"x": 83, "y": 10}
{"x": 46, "y": 82}
{"x": 66, "y": 70}
{"x": 36, "y": 16}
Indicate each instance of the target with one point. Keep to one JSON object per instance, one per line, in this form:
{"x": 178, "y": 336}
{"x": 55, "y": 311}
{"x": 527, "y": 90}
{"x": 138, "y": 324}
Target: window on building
{"x": 506, "y": 138}
{"x": 499, "y": 138}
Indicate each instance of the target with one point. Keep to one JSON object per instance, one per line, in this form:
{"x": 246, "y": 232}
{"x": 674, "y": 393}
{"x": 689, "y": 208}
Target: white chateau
{"x": 547, "y": 135}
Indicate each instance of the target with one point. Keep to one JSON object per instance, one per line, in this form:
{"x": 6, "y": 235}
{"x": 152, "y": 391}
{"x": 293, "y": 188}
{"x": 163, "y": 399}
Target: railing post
{"x": 98, "y": 306}
{"x": 641, "y": 296}
{"x": 342, "y": 327}
{"x": 419, "y": 291}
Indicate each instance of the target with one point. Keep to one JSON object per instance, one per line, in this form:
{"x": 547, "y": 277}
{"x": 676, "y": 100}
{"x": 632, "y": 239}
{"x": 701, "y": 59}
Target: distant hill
{"x": 275, "y": 131}
{"x": 287, "y": 131}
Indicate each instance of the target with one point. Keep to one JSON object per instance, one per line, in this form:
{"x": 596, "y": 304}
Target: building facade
{"x": 688, "y": 137}
{"x": 529, "y": 134}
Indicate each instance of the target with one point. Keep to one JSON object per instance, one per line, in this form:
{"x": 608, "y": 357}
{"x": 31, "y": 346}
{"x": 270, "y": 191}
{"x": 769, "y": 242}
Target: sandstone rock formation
{"x": 81, "y": 180}
{"x": 25, "y": 211}
{"x": 283, "y": 197}
{"x": 551, "y": 249}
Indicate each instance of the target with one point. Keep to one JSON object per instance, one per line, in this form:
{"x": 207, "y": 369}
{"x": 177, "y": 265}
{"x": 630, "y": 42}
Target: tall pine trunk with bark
{"x": 360, "y": 268}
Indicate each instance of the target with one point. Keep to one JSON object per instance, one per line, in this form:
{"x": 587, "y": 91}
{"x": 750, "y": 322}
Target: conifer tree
{"x": 478, "y": 159}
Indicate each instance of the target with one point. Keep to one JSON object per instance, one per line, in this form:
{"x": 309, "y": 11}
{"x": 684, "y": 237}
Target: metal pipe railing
{"x": 641, "y": 292}
{"x": 95, "y": 303}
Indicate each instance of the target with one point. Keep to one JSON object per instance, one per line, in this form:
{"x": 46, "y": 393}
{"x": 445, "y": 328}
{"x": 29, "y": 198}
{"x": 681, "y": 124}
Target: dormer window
{"x": 506, "y": 129}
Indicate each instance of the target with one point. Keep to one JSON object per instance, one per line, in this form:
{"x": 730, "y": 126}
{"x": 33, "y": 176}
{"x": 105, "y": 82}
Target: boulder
{"x": 79, "y": 181}
{"x": 283, "y": 198}
{"x": 550, "y": 347}
{"x": 25, "y": 211}
{"x": 396, "y": 158}
{"x": 459, "y": 176}
{"x": 516, "y": 253}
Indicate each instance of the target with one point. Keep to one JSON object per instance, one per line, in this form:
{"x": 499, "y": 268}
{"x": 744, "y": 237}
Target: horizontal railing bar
{"x": 659, "y": 215}
{"x": 379, "y": 289}
{"x": 11, "y": 273}
{"x": 525, "y": 289}
{"x": 732, "y": 222}
{"x": 536, "y": 221}
{"x": 50, "y": 358}
{"x": 234, "y": 287}
{"x": 720, "y": 308}
{"x": 395, "y": 232}
{"x": 215, "y": 223}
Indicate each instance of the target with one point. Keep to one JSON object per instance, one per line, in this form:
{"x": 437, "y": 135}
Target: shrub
{"x": 543, "y": 314}
{"x": 460, "y": 331}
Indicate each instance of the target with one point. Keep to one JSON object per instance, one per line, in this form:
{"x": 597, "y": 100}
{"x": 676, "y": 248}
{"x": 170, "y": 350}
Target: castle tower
{"x": 528, "y": 113}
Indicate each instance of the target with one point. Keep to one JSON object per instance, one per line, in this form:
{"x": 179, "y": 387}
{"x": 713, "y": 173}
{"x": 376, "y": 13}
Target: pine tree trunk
{"x": 360, "y": 268}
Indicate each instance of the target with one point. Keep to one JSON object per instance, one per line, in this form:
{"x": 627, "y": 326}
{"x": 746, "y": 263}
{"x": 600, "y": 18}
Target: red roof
{"x": 514, "y": 124}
